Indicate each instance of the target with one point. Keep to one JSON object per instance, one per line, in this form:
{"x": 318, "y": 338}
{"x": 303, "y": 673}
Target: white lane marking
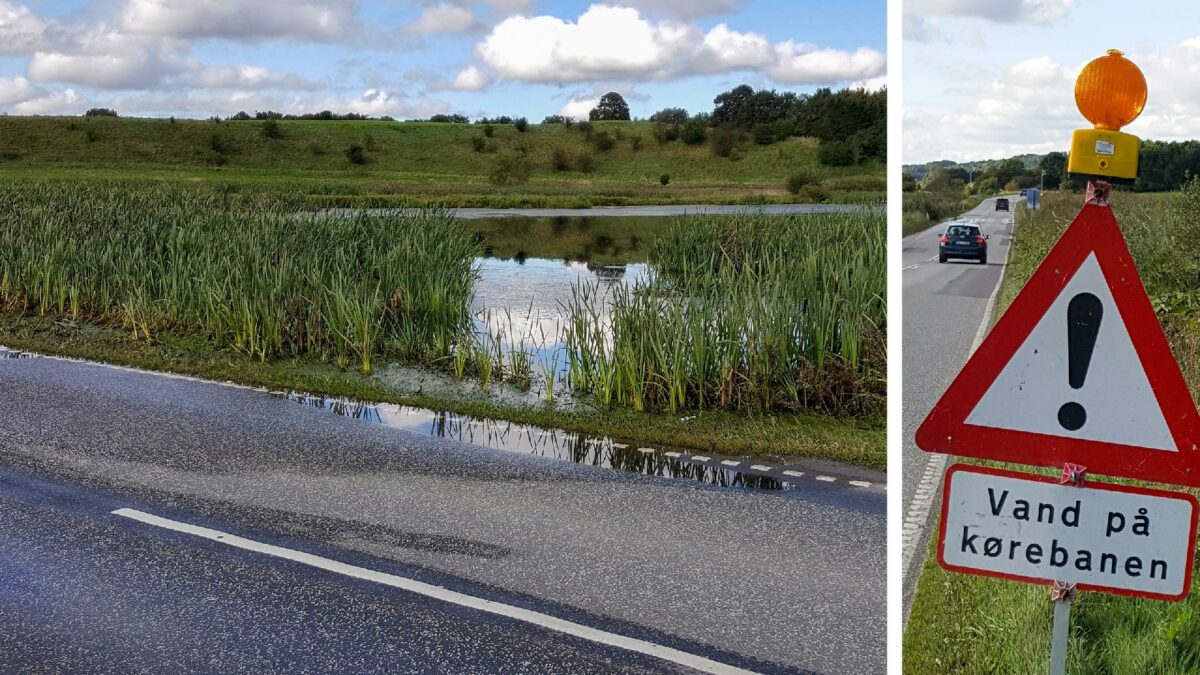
{"x": 760, "y": 467}
{"x": 700, "y": 458}
{"x": 826, "y": 479}
{"x": 620, "y": 446}
{"x": 438, "y": 593}
{"x": 646, "y": 450}
{"x": 859, "y": 483}
{"x": 673, "y": 454}
{"x": 910, "y": 267}
{"x": 794, "y": 474}
{"x": 730, "y": 462}
{"x": 932, "y": 259}
{"x": 917, "y": 518}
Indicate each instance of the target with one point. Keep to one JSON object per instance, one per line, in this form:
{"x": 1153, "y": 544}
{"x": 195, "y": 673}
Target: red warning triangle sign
{"x": 1077, "y": 370}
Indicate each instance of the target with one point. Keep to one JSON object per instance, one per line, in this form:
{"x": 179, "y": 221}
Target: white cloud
{"x": 19, "y": 96}
{"x": 807, "y": 64}
{"x": 607, "y": 43}
{"x": 1009, "y": 11}
{"x": 443, "y": 18}
{"x": 244, "y": 77}
{"x": 20, "y": 29}
{"x": 302, "y": 20}
{"x": 470, "y": 79}
{"x": 872, "y": 84}
{"x": 578, "y": 108}
{"x": 106, "y": 59}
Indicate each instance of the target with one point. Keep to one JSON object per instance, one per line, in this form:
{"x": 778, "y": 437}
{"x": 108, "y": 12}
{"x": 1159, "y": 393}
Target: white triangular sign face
{"x": 1116, "y": 399}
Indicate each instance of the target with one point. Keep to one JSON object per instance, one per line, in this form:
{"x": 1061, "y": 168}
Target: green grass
{"x": 966, "y": 624}
{"x": 924, "y": 209}
{"x": 418, "y": 162}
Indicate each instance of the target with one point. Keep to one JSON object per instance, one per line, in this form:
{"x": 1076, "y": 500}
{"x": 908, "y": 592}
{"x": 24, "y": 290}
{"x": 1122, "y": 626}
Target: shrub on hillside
{"x": 724, "y": 141}
{"x": 764, "y": 134}
{"x": 670, "y": 116}
{"x": 521, "y": 124}
{"x": 270, "y": 129}
{"x": 664, "y": 179}
{"x": 695, "y": 132}
{"x": 557, "y": 119}
{"x": 511, "y": 168}
{"x": 586, "y": 128}
{"x": 216, "y": 143}
{"x": 664, "y": 132}
{"x": 836, "y": 153}
{"x": 560, "y": 160}
{"x": 784, "y": 129}
{"x": 356, "y": 154}
{"x": 489, "y": 130}
{"x": 635, "y": 143}
{"x": 584, "y": 162}
{"x": 100, "y": 112}
{"x": 797, "y": 181}
{"x": 477, "y": 143}
{"x": 604, "y": 141}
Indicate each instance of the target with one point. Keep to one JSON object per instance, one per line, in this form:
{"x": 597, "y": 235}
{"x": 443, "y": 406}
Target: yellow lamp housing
{"x": 1110, "y": 92}
{"x": 1107, "y": 155}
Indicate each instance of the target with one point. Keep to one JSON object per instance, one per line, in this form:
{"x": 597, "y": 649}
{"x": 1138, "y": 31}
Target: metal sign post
{"x": 1062, "y": 596}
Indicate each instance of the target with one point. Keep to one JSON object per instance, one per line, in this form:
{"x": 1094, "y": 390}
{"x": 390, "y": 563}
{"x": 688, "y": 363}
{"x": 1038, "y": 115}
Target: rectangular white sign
{"x": 1103, "y": 537}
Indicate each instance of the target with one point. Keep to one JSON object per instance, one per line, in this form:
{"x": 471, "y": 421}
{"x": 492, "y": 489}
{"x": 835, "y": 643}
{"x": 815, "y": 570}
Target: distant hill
{"x": 919, "y": 171}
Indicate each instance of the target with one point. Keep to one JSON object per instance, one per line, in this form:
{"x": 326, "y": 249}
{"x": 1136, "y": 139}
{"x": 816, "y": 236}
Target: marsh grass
{"x": 749, "y": 312}
{"x": 249, "y": 272}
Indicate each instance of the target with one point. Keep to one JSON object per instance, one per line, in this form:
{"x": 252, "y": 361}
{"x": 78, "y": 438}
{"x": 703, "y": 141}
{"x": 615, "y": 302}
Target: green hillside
{"x": 451, "y": 164}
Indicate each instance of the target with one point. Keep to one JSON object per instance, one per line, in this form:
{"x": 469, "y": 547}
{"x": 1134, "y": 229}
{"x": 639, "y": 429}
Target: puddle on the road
{"x": 553, "y": 443}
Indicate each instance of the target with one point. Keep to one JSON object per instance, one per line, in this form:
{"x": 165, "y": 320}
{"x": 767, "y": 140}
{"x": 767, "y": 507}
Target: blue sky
{"x": 986, "y": 80}
{"x": 419, "y": 57}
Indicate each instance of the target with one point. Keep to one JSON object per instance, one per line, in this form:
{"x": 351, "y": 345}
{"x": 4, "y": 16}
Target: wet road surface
{"x": 944, "y": 307}
{"x": 767, "y": 581}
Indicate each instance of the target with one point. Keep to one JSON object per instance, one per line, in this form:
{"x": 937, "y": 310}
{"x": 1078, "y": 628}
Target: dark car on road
{"x": 960, "y": 240}
{"x": 1002, "y": 204}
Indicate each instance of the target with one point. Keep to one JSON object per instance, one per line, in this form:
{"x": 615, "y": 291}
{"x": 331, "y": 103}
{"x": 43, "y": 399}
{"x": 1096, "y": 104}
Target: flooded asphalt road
{"x": 944, "y": 307}
{"x": 767, "y": 581}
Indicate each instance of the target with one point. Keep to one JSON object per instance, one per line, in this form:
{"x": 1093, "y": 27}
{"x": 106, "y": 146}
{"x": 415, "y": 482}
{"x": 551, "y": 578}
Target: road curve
{"x": 768, "y": 582}
{"x": 944, "y": 307}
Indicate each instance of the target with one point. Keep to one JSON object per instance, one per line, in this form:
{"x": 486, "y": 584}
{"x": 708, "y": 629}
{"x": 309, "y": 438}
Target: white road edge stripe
{"x": 437, "y": 592}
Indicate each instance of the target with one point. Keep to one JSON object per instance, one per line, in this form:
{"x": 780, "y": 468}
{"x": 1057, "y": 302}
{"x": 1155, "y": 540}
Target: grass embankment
{"x": 239, "y": 288}
{"x": 617, "y": 163}
{"x": 967, "y": 624}
{"x": 925, "y": 208}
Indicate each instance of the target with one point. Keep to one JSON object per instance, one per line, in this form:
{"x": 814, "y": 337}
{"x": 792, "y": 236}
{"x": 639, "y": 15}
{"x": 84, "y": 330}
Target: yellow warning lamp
{"x": 1110, "y": 92}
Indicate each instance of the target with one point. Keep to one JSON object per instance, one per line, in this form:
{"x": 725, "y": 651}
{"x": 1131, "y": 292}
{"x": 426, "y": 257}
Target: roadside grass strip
{"x": 698, "y": 663}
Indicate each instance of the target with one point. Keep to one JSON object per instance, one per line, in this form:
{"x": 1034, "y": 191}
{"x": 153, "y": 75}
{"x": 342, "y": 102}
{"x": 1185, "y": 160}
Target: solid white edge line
{"x": 438, "y": 593}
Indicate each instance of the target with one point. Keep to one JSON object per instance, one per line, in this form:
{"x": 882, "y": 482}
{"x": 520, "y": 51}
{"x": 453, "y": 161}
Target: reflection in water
{"x": 531, "y": 440}
{"x": 520, "y": 302}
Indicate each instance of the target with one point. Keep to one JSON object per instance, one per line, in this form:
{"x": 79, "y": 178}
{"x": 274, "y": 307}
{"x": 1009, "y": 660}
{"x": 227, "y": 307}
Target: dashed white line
{"x": 826, "y": 479}
{"x": 620, "y": 446}
{"x": 760, "y": 467}
{"x": 439, "y": 593}
{"x": 859, "y": 483}
{"x": 700, "y": 458}
{"x": 673, "y": 454}
{"x": 793, "y": 474}
{"x": 730, "y": 462}
{"x": 646, "y": 450}
{"x": 910, "y": 267}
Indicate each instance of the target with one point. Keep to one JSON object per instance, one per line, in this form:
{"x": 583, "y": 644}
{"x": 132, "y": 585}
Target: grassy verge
{"x": 965, "y": 624}
{"x": 859, "y": 441}
{"x": 923, "y": 209}
{"x": 613, "y": 163}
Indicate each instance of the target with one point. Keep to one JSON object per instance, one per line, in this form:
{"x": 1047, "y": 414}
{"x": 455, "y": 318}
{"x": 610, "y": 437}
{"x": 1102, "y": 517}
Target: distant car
{"x": 1002, "y": 204}
{"x": 1024, "y": 192}
{"x": 963, "y": 241}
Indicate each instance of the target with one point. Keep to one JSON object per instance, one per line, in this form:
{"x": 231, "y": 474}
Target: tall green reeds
{"x": 254, "y": 274}
{"x": 749, "y": 312}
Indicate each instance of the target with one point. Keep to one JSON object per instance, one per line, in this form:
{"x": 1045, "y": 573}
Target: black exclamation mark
{"x": 1083, "y": 326}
